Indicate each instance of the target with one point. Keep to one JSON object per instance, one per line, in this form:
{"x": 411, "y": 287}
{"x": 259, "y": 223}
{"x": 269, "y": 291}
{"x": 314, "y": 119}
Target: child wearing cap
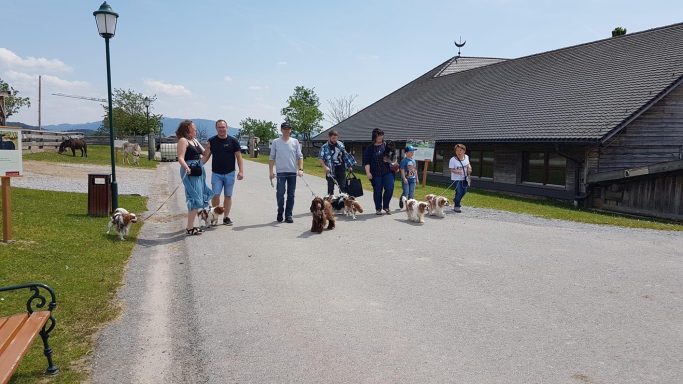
{"x": 408, "y": 168}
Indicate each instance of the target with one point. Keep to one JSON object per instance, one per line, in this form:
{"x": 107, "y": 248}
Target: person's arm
{"x": 207, "y": 153}
{"x": 366, "y": 161}
{"x": 240, "y": 164}
{"x": 300, "y": 163}
{"x": 180, "y": 151}
{"x": 403, "y": 173}
{"x": 300, "y": 159}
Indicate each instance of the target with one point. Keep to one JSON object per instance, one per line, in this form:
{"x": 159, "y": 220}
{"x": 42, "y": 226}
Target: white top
{"x": 455, "y": 164}
{"x": 286, "y": 154}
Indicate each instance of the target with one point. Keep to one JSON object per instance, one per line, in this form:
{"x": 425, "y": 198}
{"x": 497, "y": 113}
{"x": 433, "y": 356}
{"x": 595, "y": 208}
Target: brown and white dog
{"x": 323, "y": 215}
{"x": 437, "y": 204}
{"x": 210, "y": 216}
{"x": 415, "y": 209}
{"x": 121, "y": 220}
{"x": 351, "y": 207}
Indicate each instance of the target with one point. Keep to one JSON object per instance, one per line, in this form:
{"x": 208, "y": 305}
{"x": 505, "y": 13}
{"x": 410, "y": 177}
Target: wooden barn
{"x": 600, "y": 123}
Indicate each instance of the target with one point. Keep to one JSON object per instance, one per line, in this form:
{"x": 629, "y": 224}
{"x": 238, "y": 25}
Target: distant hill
{"x": 170, "y": 124}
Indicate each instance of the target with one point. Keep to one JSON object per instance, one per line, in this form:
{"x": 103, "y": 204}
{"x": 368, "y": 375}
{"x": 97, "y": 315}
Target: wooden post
{"x": 424, "y": 174}
{"x": 6, "y": 210}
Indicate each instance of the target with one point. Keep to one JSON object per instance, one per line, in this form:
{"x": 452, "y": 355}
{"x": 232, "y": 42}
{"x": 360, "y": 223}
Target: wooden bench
{"x": 18, "y": 331}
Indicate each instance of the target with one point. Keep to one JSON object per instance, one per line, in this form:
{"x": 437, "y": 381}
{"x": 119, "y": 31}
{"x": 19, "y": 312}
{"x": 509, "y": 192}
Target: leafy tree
{"x": 303, "y": 113}
{"x": 13, "y": 103}
{"x": 130, "y": 115}
{"x": 341, "y": 108}
{"x": 618, "y": 31}
{"x": 264, "y": 130}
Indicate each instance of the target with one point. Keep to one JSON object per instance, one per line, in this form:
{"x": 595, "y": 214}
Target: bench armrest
{"x": 37, "y": 295}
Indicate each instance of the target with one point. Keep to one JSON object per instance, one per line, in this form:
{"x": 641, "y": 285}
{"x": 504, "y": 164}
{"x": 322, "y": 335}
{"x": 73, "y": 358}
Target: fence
{"x": 41, "y": 141}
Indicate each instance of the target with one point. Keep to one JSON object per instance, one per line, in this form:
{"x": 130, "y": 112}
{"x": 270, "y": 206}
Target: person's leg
{"x": 291, "y": 189}
{"x": 280, "y": 196}
{"x": 377, "y": 192}
{"x": 216, "y": 188}
{"x": 341, "y": 178}
{"x": 330, "y": 185}
{"x": 459, "y": 193}
{"x": 411, "y": 188}
{"x": 229, "y": 181}
{"x": 191, "y": 215}
{"x": 388, "y": 185}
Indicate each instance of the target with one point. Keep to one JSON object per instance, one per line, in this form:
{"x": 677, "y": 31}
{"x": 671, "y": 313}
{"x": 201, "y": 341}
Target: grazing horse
{"x": 74, "y": 144}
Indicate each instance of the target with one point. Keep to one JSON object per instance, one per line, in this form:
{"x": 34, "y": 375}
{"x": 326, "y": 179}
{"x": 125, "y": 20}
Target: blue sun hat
{"x": 410, "y": 148}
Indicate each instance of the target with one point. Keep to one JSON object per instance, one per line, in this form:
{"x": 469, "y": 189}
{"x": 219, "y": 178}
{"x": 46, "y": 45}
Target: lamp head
{"x": 106, "y": 20}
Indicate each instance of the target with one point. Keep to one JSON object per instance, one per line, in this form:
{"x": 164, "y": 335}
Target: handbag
{"x": 195, "y": 170}
{"x": 353, "y": 185}
{"x": 468, "y": 180}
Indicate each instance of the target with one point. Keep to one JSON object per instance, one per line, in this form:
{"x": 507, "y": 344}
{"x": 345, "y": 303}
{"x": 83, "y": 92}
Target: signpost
{"x": 10, "y": 166}
{"x": 424, "y": 151}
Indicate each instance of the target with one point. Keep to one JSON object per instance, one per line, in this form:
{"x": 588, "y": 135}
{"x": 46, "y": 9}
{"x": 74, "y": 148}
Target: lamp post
{"x": 106, "y": 26}
{"x": 150, "y": 138}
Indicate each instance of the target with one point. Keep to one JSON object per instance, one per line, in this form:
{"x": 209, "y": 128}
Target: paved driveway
{"x": 477, "y": 297}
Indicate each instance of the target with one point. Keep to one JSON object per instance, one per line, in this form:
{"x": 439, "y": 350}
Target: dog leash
{"x": 441, "y": 193}
{"x": 169, "y": 196}
{"x": 309, "y": 187}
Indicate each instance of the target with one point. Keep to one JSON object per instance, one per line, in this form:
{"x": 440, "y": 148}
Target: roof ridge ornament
{"x": 459, "y": 45}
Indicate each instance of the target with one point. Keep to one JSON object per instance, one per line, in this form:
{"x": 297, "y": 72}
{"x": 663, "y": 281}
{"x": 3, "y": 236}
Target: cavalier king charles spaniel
{"x": 323, "y": 215}
{"x": 210, "y": 215}
{"x": 415, "y": 209}
{"x": 437, "y": 204}
{"x": 121, "y": 221}
{"x": 344, "y": 203}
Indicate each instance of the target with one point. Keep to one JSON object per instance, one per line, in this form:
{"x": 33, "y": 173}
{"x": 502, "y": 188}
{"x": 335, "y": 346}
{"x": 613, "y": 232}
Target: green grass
{"x": 97, "y": 154}
{"x": 56, "y": 243}
{"x": 535, "y": 207}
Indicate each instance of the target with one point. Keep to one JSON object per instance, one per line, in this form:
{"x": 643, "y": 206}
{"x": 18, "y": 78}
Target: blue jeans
{"x": 409, "y": 188}
{"x": 285, "y": 180}
{"x": 460, "y": 191}
{"x": 383, "y": 189}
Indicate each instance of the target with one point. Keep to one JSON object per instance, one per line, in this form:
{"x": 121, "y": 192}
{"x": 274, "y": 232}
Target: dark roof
{"x": 582, "y": 93}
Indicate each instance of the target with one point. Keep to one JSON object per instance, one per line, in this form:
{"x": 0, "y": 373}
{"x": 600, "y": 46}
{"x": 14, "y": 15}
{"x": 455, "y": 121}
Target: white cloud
{"x": 257, "y": 87}
{"x": 12, "y": 60}
{"x": 20, "y": 79}
{"x": 157, "y": 86}
{"x": 281, "y": 63}
{"x": 227, "y": 79}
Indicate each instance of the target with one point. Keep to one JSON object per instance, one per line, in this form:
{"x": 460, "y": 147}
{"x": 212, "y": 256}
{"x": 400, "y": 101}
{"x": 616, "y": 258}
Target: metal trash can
{"x": 99, "y": 194}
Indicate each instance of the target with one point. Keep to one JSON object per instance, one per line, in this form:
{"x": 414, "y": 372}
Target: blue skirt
{"x": 197, "y": 192}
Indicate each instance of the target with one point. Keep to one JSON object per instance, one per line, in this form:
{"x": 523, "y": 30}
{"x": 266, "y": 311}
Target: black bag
{"x": 353, "y": 186}
{"x": 195, "y": 170}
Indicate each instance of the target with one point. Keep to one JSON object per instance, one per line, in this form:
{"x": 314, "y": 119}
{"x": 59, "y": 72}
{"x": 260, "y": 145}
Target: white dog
{"x": 121, "y": 221}
{"x": 437, "y": 204}
{"x": 415, "y": 209}
{"x": 210, "y": 216}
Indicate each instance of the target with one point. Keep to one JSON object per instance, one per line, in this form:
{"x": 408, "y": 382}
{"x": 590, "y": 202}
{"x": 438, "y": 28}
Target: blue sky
{"x": 237, "y": 59}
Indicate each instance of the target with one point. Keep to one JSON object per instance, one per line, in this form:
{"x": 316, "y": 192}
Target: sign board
{"x": 424, "y": 149}
{"x": 10, "y": 152}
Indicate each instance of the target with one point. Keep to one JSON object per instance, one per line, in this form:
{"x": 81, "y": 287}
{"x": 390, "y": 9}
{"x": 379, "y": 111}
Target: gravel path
{"x": 74, "y": 177}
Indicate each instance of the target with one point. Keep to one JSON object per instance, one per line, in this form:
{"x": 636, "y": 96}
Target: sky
{"x": 235, "y": 59}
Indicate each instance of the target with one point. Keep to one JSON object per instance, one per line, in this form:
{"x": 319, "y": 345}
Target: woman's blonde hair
{"x": 464, "y": 148}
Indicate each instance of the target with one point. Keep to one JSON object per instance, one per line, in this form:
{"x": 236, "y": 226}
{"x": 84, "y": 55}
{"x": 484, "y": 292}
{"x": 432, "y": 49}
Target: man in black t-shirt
{"x": 226, "y": 152}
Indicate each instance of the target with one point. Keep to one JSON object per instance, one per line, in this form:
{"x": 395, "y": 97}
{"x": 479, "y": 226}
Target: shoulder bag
{"x": 353, "y": 185}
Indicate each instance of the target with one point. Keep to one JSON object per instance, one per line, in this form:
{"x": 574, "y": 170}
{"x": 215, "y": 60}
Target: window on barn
{"x": 482, "y": 163}
{"x": 546, "y": 168}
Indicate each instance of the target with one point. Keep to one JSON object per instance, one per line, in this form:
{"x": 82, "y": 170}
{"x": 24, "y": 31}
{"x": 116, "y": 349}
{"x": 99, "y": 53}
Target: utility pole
{"x": 40, "y": 98}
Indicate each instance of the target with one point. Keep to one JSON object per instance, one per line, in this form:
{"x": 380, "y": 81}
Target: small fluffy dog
{"x": 437, "y": 204}
{"x": 415, "y": 209}
{"x": 209, "y": 216}
{"x": 121, "y": 221}
{"x": 344, "y": 203}
{"x": 351, "y": 207}
{"x": 323, "y": 215}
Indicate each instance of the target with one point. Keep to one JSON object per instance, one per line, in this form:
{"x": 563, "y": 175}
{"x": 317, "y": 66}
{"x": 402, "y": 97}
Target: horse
{"x": 74, "y": 144}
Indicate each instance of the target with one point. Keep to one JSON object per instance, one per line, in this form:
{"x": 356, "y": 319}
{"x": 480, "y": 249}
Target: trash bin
{"x": 99, "y": 194}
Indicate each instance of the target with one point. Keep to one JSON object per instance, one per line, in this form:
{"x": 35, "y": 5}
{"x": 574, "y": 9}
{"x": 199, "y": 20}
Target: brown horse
{"x": 74, "y": 144}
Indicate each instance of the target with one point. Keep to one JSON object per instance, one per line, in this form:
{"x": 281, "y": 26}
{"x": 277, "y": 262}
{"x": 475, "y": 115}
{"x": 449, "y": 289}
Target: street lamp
{"x": 106, "y": 26}
{"x": 150, "y": 137}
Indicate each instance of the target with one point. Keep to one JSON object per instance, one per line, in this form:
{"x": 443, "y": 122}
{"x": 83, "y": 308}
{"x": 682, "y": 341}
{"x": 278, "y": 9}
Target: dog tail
{"x": 358, "y": 207}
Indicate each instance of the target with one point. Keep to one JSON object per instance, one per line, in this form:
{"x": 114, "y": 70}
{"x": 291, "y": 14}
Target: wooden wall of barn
{"x": 654, "y": 137}
{"x": 659, "y": 195}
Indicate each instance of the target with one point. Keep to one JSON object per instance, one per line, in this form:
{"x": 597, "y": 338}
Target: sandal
{"x": 193, "y": 231}
{"x": 388, "y": 211}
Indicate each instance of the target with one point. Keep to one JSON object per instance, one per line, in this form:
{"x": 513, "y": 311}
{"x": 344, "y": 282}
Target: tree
{"x": 303, "y": 113}
{"x": 341, "y": 108}
{"x": 618, "y": 31}
{"x": 264, "y": 130}
{"x": 130, "y": 115}
{"x": 13, "y": 103}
